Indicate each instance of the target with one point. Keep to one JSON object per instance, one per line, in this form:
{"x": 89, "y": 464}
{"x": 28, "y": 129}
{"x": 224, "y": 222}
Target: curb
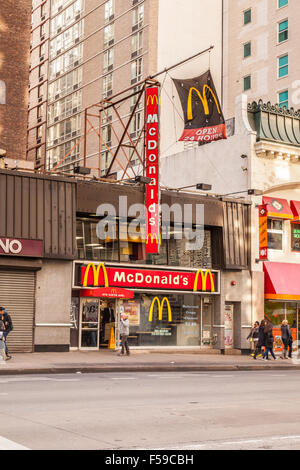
{"x": 144, "y": 368}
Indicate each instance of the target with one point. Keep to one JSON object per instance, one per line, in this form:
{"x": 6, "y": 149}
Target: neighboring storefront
{"x": 37, "y": 246}
{"x": 282, "y": 280}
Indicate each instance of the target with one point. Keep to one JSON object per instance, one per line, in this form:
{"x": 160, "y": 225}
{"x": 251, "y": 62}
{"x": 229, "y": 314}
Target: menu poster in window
{"x": 295, "y": 237}
{"x": 132, "y": 309}
{"x": 228, "y": 325}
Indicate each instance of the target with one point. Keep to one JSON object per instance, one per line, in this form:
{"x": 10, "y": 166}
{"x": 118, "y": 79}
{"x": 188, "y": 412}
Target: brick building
{"x": 14, "y": 64}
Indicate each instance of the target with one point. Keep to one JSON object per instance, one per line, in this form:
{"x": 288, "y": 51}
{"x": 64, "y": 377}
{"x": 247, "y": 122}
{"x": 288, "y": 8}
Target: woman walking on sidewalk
{"x": 261, "y": 339}
{"x": 269, "y": 341}
{"x": 253, "y": 337}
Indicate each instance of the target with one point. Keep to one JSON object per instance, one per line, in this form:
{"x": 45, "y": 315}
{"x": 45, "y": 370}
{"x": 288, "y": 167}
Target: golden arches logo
{"x": 204, "y": 280}
{"x": 113, "y": 291}
{"x": 96, "y": 272}
{"x": 153, "y": 236}
{"x": 152, "y": 99}
{"x": 203, "y": 100}
{"x": 160, "y": 306}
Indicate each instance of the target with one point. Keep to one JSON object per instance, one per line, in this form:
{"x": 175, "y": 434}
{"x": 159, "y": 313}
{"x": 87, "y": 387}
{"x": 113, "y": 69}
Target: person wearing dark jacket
{"x": 261, "y": 339}
{"x": 253, "y": 337}
{"x": 268, "y": 330}
{"x": 8, "y": 326}
{"x": 286, "y": 335}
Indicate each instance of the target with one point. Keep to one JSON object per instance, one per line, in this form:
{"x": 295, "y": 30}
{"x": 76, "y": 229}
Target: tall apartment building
{"x": 83, "y": 51}
{"x": 14, "y": 63}
{"x": 261, "y": 52}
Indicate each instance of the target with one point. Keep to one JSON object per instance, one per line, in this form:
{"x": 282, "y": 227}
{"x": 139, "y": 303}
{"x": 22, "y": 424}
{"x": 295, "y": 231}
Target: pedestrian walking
{"x": 253, "y": 337}
{"x": 286, "y": 334}
{"x": 268, "y": 330}
{"x": 8, "y": 327}
{"x": 124, "y": 333}
{"x": 261, "y": 340}
{"x": 291, "y": 346}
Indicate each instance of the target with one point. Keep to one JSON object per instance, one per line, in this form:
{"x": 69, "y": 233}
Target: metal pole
{"x": 182, "y": 62}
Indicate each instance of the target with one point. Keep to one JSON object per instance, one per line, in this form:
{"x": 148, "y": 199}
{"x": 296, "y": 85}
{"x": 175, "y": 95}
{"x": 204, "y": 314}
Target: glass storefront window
{"x": 275, "y": 312}
{"x": 90, "y": 247}
{"x": 184, "y": 320}
{"x": 130, "y": 246}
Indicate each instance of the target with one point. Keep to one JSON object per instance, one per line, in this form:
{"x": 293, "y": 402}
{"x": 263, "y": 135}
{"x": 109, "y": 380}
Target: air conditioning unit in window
{"x": 134, "y": 2}
{"x": 111, "y": 17}
{"x": 43, "y": 38}
{"x": 56, "y": 118}
{"x": 133, "y": 81}
{"x": 77, "y": 17}
{"x": 39, "y": 119}
{"x": 135, "y": 28}
{"x": 43, "y": 18}
{"x": 111, "y": 42}
{"x": 110, "y": 68}
{"x": 75, "y": 87}
{"x": 42, "y": 58}
{"x": 76, "y": 63}
{"x": 58, "y": 52}
{"x": 38, "y": 141}
{"x": 55, "y": 142}
{"x": 134, "y": 54}
{"x": 41, "y": 79}
{"x": 76, "y": 40}
{"x": 40, "y": 99}
{"x": 56, "y": 96}
{"x": 59, "y": 30}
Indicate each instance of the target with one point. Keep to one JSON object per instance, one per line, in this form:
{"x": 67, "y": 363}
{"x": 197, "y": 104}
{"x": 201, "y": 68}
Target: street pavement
{"x": 109, "y": 361}
{"x": 146, "y": 410}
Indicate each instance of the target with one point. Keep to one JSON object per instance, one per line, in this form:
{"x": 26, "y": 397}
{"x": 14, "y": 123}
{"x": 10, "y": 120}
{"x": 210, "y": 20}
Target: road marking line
{"x": 123, "y": 378}
{"x": 5, "y": 444}
{"x": 229, "y": 443}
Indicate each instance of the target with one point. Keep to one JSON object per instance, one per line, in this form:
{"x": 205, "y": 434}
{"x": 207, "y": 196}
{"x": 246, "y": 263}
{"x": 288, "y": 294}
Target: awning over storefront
{"x": 282, "y": 281}
{"x": 278, "y": 208}
{"x": 295, "y": 206}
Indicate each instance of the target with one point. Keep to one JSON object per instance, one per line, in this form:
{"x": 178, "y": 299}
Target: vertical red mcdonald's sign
{"x": 153, "y": 237}
{"x": 263, "y": 232}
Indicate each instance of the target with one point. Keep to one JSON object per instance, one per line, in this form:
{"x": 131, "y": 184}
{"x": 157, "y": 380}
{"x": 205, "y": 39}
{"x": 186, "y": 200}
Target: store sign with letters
{"x": 117, "y": 276}
{"x": 152, "y": 171}
{"x": 21, "y": 247}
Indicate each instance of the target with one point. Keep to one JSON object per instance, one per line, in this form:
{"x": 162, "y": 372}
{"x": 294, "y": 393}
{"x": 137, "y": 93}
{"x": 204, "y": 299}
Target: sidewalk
{"x": 108, "y": 361}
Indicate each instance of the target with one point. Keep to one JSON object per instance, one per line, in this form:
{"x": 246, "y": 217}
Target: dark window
{"x": 247, "y": 49}
{"x": 247, "y": 16}
{"x": 247, "y": 82}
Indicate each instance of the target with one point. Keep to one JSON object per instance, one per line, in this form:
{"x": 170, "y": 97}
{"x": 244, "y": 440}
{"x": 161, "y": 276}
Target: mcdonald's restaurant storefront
{"x": 166, "y": 307}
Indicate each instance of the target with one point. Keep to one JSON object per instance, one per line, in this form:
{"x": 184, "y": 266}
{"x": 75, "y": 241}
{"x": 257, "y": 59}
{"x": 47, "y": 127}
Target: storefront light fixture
{"x": 198, "y": 186}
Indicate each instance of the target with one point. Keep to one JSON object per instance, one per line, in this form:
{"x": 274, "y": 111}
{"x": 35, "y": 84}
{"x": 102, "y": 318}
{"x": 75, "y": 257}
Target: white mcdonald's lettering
{"x": 152, "y": 144}
{"x": 152, "y": 170}
{"x": 152, "y": 131}
{"x": 152, "y": 194}
{"x": 119, "y": 277}
{"x": 152, "y": 118}
{"x": 153, "y": 182}
{"x": 152, "y": 157}
{"x": 152, "y": 208}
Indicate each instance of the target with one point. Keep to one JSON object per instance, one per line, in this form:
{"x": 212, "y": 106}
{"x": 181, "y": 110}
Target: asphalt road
{"x": 160, "y": 411}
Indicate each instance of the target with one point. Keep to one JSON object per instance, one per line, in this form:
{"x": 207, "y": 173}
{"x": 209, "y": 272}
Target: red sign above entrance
{"x": 21, "y": 247}
{"x": 108, "y": 292}
{"x": 139, "y": 278}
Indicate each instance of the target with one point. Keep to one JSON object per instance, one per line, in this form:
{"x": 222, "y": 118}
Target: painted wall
{"x": 53, "y": 303}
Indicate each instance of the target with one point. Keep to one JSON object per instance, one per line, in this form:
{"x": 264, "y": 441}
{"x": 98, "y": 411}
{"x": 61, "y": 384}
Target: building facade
{"x": 14, "y": 64}
{"x": 37, "y": 246}
{"x": 262, "y": 155}
{"x": 181, "y": 298}
{"x": 260, "y": 52}
{"x": 83, "y": 51}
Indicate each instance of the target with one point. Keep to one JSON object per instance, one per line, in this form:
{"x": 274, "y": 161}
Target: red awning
{"x": 295, "y": 206}
{"x": 282, "y": 281}
{"x": 278, "y": 208}
{"x": 108, "y": 292}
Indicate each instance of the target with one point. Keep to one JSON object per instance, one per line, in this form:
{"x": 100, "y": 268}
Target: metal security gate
{"x": 17, "y": 295}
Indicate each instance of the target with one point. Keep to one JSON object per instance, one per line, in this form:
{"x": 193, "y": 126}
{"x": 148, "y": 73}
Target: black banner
{"x": 203, "y": 117}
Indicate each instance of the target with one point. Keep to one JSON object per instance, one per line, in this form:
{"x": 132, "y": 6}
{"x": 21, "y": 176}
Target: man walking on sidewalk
{"x": 124, "y": 333}
{"x": 8, "y": 327}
